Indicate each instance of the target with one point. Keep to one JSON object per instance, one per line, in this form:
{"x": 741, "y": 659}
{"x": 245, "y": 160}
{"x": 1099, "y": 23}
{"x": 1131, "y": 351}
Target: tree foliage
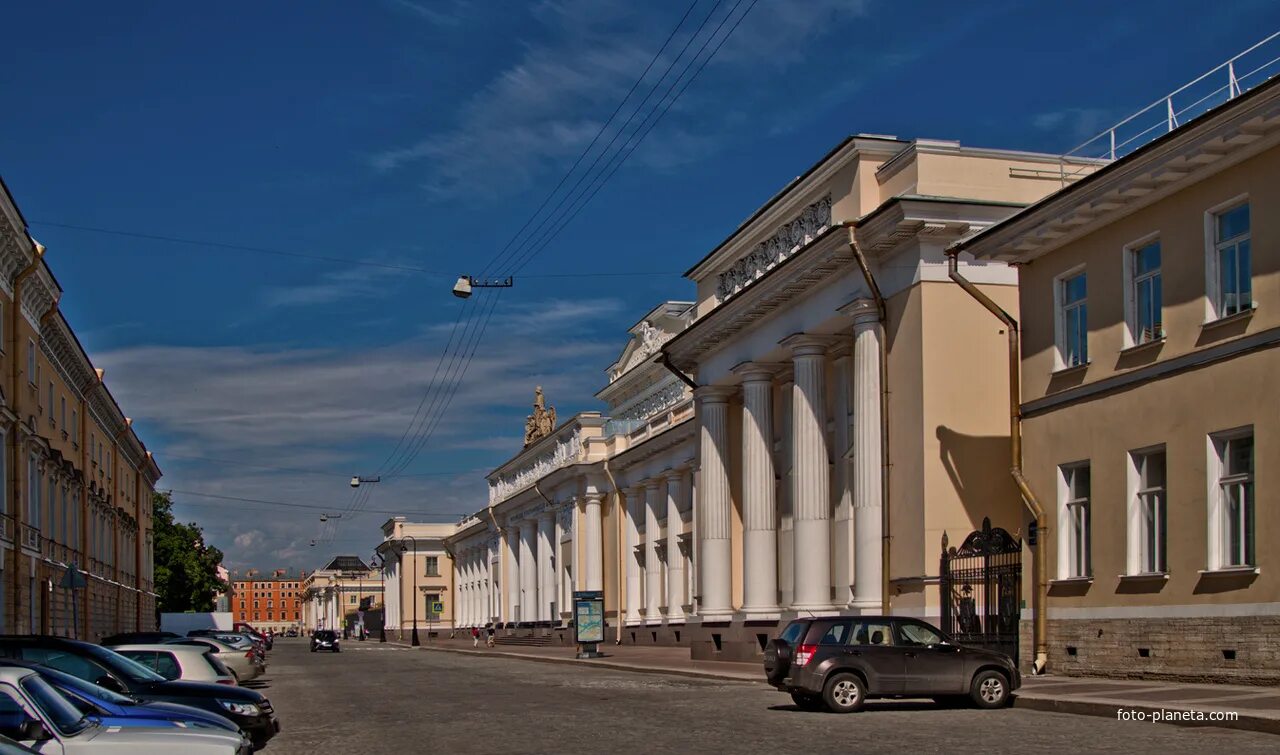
{"x": 186, "y": 569}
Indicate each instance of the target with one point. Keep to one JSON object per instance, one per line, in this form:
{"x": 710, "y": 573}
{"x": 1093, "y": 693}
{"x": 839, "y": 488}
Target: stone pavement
{"x": 1249, "y": 708}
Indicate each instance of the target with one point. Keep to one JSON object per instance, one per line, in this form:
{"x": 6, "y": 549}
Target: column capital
{"x": 595, "y": 496}
{"x": 757, "y": 372}
{"x": 863, "y": 311}
{"x": 653, "y": 483}
{"x": 675, "y": 474}
{"x": 807, "y": 344}
{"x": 714, "y": 394}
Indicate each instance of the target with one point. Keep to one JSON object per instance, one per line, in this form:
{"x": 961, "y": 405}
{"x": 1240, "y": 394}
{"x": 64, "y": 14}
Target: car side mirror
{"x": 32, "y": 730}
{"x": 111, "y": 683}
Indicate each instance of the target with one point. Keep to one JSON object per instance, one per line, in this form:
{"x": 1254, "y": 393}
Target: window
{"x": 871, "y": 633}
{"x": 1145, "y": 295}
{"x": 1233, "y": 286}
{"x": 352, "y": 601}
{"x": 255, "y": 605}
{"x": 912, "y": 633}
{"x": 1234, "y": 500}
{"x": 167, "y": 666}
{"x": 1073, "y": 320}
{"x": 31, "y": 362}
{"x": 1147, "y": 530}
{"x": 433, "y": 566}
{"x": 1073, "y": 551}
{"x": 33, "y": 492}
{"x": 51, "y": 403}
{"x": 75, "y": 426}
{"x": 62, "y": 413}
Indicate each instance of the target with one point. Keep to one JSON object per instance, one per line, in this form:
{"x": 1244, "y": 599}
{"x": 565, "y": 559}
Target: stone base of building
{"x": 660, "y": 635}
{"x": 737, "y": 640}
{"x": 1235, "y": 650}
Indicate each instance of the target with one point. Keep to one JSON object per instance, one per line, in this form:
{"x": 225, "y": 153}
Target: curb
{"x": 592, "y": 663}
{"x": 1244, "y": 722}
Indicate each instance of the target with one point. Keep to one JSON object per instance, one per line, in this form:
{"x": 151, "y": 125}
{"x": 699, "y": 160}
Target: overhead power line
{"x": 292, "y": 504}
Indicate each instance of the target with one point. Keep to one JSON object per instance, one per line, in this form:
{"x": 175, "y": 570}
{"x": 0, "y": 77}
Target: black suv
{"x": 325, "y": 639}
{"x": 839, "y": 662}
{"x": 248, "y": 709}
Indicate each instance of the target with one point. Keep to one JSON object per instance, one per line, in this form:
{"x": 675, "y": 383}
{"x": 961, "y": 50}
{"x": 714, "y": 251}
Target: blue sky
{"x": 422, "y": 133}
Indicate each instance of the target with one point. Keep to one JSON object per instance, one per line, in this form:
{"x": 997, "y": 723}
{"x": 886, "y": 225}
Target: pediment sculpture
{"x": 543, "y": 420}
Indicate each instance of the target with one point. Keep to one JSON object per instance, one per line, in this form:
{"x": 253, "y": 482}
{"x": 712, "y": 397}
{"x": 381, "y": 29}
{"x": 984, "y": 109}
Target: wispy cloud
{"x": 445, "y": 13}
{"x": 334, "y": 286}
{"x": 580, "y": 59}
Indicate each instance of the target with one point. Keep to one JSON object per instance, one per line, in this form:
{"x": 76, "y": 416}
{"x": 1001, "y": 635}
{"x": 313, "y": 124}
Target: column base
{"x": 761, "y": 613}
{"x": 865, "y": 607}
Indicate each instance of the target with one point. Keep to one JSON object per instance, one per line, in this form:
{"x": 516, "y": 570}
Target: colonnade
{"x": 835, "y": 493}
{"x": 657, "y": 565}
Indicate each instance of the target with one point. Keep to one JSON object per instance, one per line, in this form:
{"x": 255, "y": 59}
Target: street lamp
{"x": 403, "y": 550}
{"x": 382, "y": 583}
{"x": 462, "y": 289}
{"x": 357, "y": 479}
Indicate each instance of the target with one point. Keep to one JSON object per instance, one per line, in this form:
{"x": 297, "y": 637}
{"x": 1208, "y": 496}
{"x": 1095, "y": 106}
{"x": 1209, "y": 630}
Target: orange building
{"x": 273, "y": 602}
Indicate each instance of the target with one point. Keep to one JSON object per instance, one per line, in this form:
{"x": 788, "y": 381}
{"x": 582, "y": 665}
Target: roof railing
{"x": 1220, "y": 84}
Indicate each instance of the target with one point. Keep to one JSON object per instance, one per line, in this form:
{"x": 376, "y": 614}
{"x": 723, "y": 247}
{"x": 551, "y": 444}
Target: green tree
{"x": 186, "y": 569}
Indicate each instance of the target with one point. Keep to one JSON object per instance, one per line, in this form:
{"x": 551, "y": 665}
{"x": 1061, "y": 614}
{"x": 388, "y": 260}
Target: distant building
{"x": 413, "y": 556}
{"x": 344, "y": 593}
{"x": 273, "y": 602}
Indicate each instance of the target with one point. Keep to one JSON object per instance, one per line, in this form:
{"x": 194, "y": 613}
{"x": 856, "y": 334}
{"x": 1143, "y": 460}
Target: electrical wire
{"x": 286, "y": 504}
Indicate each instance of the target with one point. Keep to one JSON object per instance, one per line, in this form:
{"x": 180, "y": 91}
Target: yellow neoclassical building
{"x": 78, "y": 482}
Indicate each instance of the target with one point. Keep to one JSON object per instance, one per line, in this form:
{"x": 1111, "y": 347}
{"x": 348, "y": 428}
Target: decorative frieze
{"x": 648, "y": 339}
{"x": 766, "y": 255}
{"x": 668, "y": 394}
{"x": 565, "y": 451}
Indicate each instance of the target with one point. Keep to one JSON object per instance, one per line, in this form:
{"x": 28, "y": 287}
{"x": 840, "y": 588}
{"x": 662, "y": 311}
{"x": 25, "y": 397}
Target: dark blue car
{"x": 115, "y": 709}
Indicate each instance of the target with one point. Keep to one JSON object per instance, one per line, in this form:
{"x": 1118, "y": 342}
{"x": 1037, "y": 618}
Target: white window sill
{"x": 1230, "y": 571}
{"x": 1072, "y": 581}
{"x": 1243, "y": 314}
{"x": 1138, "y": 348}
{"x": 1070, "y": 370}
{"x": 1158, "y": 576}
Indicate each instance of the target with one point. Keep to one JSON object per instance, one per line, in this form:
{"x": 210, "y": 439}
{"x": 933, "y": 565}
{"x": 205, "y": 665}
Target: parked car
{"x": 248, "y": 709}
{"x": 186, "y": 662}
{"x": 249, "y": 630}
{"x": 33, "y": 713}
{"x": 325, "y": 639}
{"x": 234, "y": 639}
{"x": 245, "y": 665}
{"x": 137, "y": 638}
{"x": 840, "y": 662}
{"x": 115, "y": 709}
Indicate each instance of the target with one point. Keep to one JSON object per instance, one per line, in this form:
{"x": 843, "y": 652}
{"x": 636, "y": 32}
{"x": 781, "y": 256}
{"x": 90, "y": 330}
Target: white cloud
{"x": 582, "y": 56}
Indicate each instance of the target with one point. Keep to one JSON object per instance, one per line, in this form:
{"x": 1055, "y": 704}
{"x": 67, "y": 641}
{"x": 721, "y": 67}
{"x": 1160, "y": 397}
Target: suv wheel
{"x": 990, "y": 689}
{"x": 806, "y": 701}
{"x": 844, "y": 693}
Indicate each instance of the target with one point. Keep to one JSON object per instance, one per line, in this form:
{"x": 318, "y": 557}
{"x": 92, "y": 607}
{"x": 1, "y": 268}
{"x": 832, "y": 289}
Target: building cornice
{"x": 1216, "y": 140}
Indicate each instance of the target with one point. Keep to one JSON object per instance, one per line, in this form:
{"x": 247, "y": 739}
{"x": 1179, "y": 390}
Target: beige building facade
{"x": 797, "y": 439}
{"x": 78, "y": 481}
{"x": 332, "y": 597}
{"x": 1150, "y": 312}
{"x": 417, "y": 576}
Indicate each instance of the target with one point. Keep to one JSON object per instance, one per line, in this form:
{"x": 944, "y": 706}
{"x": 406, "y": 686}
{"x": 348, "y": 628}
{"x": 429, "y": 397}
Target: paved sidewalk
{"x": 1253, "y": 708}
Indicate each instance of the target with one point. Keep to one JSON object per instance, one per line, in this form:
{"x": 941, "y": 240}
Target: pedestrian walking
{"x": 475, "y": 637}
{"x": 488, "y": 642}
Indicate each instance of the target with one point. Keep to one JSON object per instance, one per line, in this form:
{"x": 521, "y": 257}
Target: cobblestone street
{"x": 374, "y": 698}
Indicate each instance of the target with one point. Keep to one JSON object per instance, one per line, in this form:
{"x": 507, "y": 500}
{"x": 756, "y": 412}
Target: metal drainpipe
{"x": 15, "y": 316}
{"x": 617, "y": 609}
{"x": 1015, "y": 449}
{"x": 886, "y": 540}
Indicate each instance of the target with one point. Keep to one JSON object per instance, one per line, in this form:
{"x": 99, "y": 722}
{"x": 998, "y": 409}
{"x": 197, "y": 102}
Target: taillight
{"x": 804, "y": 654}
{"x": 250, "y": 655}
{"x": 232, "y": 682}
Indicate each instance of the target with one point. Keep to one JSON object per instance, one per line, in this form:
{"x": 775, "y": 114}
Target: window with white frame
{"x": 433, "y": 566}
{"x": 1231, "y": 261}
{"x": 51, "y": 402}
{"x": 1233, "y": 500}
{"x": 1073, "y": 319}
{"x": 1149, "y": 531}
{"x": 1073, "y": 558}
{"x": 1146, "y": 323}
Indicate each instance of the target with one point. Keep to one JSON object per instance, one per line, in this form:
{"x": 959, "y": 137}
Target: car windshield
{"x": 57, "y": 710}
{"x": 118, "y": 664}
{"x": 63, "y": 680}
{"x": 324, "y": 635}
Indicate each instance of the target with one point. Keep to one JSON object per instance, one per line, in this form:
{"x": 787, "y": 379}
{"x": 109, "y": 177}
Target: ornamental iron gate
{"x": 981, "y": 586}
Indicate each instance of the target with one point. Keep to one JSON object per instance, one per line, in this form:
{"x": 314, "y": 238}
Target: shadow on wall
{"x": 978, "y": 467}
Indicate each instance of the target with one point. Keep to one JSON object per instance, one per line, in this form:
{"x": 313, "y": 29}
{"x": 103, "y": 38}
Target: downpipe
{"x": 1041, "y": 619}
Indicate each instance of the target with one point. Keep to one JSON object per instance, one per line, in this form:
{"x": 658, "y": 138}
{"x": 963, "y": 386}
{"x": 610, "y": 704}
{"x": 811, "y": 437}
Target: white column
{"x": 635, "y": 504}
{"x": 528, "y": 571}
{"x": 759, "y": 505}
{"x": 546, "y": 564}
{"x": 842, "y": 491}
{"x": 868, "y": 484}
{"x": 468, "y": 590}
{"x": 511, "y": 576}
{"x": 595, "y": 542}
{"x": 713, "y": 505}
{"x": 811, "y": 475}
{"x": 784, "y": 462}
{"x": 675, "y": 559}
{"x": 654, "y": 497}
{"x": 557, "y": 565}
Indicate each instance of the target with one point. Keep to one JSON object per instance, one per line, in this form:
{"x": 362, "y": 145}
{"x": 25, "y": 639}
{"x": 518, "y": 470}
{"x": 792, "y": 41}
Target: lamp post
{"x": 382, "y": 587}
{"x": 414, "y": 641}
{"x": 360, "y": 602}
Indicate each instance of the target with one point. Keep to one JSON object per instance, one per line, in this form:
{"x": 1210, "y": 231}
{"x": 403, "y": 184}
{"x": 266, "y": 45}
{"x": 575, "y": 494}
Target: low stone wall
{"x": 1238, "y": 650}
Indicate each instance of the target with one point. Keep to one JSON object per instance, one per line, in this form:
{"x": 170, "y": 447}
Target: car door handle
{"x": 853, "y": 652}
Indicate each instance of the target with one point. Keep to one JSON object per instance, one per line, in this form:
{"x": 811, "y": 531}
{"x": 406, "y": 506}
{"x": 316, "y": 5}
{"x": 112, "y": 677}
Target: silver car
{"x": 243, "y": 663}
{"x": 185, "y": 662}
{"x": 35, "y": 714}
